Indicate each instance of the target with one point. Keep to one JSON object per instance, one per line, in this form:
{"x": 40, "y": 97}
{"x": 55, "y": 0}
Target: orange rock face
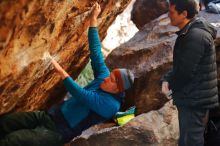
{"x": 32, "y": 29}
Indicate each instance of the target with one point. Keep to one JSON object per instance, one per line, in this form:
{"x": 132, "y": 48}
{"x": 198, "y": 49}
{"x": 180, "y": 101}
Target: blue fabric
{"x": 68, "y": 132}
{"x": 129, "y": 111}
{"x": 90, "y": 98}
{"x": 213, "y": 7}
{"x": 127, "y": 78}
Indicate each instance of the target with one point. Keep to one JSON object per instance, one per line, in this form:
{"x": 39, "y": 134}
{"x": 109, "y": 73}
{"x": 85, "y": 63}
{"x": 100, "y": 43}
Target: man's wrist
{"x": 93, "y": 18}
{"x": 64, "y": 74}
{"x": 164, "y": 82}
{"x": 93, "y": 22}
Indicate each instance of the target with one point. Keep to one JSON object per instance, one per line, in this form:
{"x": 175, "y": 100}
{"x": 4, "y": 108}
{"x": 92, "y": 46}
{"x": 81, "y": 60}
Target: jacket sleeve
{"x": 191, "y": 52}
{"x": 99, "y": 67}
{"x": 104, "y": 106}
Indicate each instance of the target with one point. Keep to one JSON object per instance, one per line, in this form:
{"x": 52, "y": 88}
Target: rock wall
{"x": 30, "y": 30}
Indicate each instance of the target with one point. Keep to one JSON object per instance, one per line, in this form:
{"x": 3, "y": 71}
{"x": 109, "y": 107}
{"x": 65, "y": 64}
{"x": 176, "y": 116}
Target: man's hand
{"x": 165, "y": 89}
{"x": 59, "y": 69}
{"x": 96, "y": 9}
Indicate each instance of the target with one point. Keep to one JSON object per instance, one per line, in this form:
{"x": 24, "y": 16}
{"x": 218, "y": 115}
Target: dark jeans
{"x": 192, "y": 123}
{"x": 28, "y": 129}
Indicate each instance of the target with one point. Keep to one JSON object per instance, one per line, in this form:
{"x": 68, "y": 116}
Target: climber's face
{"x": 110, "y": 84}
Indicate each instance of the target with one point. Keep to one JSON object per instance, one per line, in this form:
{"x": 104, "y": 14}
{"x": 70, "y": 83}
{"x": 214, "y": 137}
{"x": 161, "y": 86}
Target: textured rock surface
{"x": 29, "y": 29}
{"x": 146, "y": 10}
{"x": 149, "y": 55}
{"x": 156, "y": 128}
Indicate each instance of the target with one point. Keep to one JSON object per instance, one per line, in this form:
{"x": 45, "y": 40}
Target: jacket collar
{"x": 185, "y": 29}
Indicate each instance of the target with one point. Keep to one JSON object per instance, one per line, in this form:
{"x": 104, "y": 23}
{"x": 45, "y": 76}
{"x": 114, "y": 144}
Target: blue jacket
{"x": 90, "y": 98}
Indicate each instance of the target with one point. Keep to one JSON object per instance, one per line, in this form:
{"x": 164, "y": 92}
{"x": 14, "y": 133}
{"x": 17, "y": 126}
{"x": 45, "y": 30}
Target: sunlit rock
{"x": 31, "y": 28}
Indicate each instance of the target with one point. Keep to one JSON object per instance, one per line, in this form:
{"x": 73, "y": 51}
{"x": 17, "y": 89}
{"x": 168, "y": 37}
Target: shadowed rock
{"x": 29, "y": 31}
{"x": 158, "y": 128}
{"x": 145, "y": 11}
{"x": 149, "y": 55}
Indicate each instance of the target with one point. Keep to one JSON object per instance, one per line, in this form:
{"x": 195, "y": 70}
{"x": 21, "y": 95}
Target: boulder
{"x": 145, "y": 11}
{"x": 32, "y": 30}
{"x": 156, "y": 128}
{"x": 149, "y": 55}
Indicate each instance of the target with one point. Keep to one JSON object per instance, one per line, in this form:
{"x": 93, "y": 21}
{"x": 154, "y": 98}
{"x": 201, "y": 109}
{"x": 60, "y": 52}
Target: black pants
{"x": 28, "y": 129}
{"x": 192, "y": 123}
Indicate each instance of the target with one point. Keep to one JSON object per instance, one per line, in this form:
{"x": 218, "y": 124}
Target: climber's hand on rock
{"x": 59, "y": 69}
{"x": 96, "y": 9}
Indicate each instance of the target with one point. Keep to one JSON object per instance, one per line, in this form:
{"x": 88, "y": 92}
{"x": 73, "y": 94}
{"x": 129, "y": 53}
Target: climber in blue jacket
{"x": 95, "y": 103}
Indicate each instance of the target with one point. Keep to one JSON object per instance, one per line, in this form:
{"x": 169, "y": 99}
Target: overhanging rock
{"x": 29, "y": 29}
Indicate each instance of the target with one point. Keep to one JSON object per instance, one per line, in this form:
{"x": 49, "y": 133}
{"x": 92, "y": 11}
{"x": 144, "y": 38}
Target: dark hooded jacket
{"x": 193, "y": 78}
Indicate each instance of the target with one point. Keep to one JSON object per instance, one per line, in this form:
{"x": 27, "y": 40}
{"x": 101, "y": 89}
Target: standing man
{"x": 193, "y": 78}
